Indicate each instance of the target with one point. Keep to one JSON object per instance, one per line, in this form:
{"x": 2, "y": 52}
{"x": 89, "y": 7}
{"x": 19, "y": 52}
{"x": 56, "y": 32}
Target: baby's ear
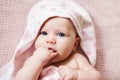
{"x": 77, "y": 42}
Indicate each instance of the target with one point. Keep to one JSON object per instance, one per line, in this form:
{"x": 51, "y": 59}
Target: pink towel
{"x": 50, "y": 73}
{"x": 42, "y": 11}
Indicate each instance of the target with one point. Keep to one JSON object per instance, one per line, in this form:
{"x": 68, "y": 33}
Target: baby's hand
{"x": 34, "y": 64}
{"x": 67, "y": 73}
{"x": 44, "y": 54}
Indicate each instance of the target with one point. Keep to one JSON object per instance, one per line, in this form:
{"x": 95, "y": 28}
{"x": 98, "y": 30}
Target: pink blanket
{"x": 50, "y": 73}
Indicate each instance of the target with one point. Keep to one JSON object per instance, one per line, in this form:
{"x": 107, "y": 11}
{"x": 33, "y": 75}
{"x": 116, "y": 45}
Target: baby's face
{"x": 59, "y": 35}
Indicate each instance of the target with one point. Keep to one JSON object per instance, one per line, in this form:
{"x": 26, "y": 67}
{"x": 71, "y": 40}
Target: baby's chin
{"x": 56, "y": 59}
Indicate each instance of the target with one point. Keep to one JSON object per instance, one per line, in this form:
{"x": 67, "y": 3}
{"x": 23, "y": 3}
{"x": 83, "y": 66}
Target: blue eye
{"x": 61, "y": 34}
{"x": 43, "y": 33}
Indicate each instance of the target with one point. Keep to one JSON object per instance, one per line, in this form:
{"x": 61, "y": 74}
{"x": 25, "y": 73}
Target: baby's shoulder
{"x": 79, "y": 58}
{"x": 77, "y": 55}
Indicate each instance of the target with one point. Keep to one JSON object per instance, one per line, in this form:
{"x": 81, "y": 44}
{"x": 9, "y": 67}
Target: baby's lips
{"x": 53, "y": 50}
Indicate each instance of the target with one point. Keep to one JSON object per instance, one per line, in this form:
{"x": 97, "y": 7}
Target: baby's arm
{"x": 34, "y": 64}
{"x": 84, "y": 72}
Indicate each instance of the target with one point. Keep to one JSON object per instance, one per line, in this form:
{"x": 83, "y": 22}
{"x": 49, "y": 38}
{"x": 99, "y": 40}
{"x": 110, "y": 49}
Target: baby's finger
{"x": 63, "y": 75}
{"x": 67, "y": 77}
{"x": 62, "y": 72}
{"x": 52, "y": 55}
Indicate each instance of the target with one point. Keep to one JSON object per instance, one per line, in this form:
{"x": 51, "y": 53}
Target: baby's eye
{"x": 43, "y": 33}
{"x": 61, "y": 34}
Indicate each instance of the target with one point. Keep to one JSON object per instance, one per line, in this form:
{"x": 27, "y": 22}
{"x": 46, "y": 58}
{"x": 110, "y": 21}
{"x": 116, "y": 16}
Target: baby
{"x": 58, "y": 44}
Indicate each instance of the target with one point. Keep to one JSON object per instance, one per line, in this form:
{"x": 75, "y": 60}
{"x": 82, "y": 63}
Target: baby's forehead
{"x": 58, "y": 22}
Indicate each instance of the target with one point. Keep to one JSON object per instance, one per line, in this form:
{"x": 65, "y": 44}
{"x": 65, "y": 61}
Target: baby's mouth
{"x": 53, "y": 50}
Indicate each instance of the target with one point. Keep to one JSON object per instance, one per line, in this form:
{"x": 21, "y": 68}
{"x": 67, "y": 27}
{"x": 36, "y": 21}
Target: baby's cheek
{"x": 37, "y": 44}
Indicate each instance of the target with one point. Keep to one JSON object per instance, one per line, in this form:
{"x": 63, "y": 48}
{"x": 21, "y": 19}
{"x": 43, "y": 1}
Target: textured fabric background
{"x": 106, "y": 17}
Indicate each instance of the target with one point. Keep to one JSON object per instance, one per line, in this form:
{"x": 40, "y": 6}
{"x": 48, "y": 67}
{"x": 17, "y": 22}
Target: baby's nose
{"x": 51, "y": 40}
